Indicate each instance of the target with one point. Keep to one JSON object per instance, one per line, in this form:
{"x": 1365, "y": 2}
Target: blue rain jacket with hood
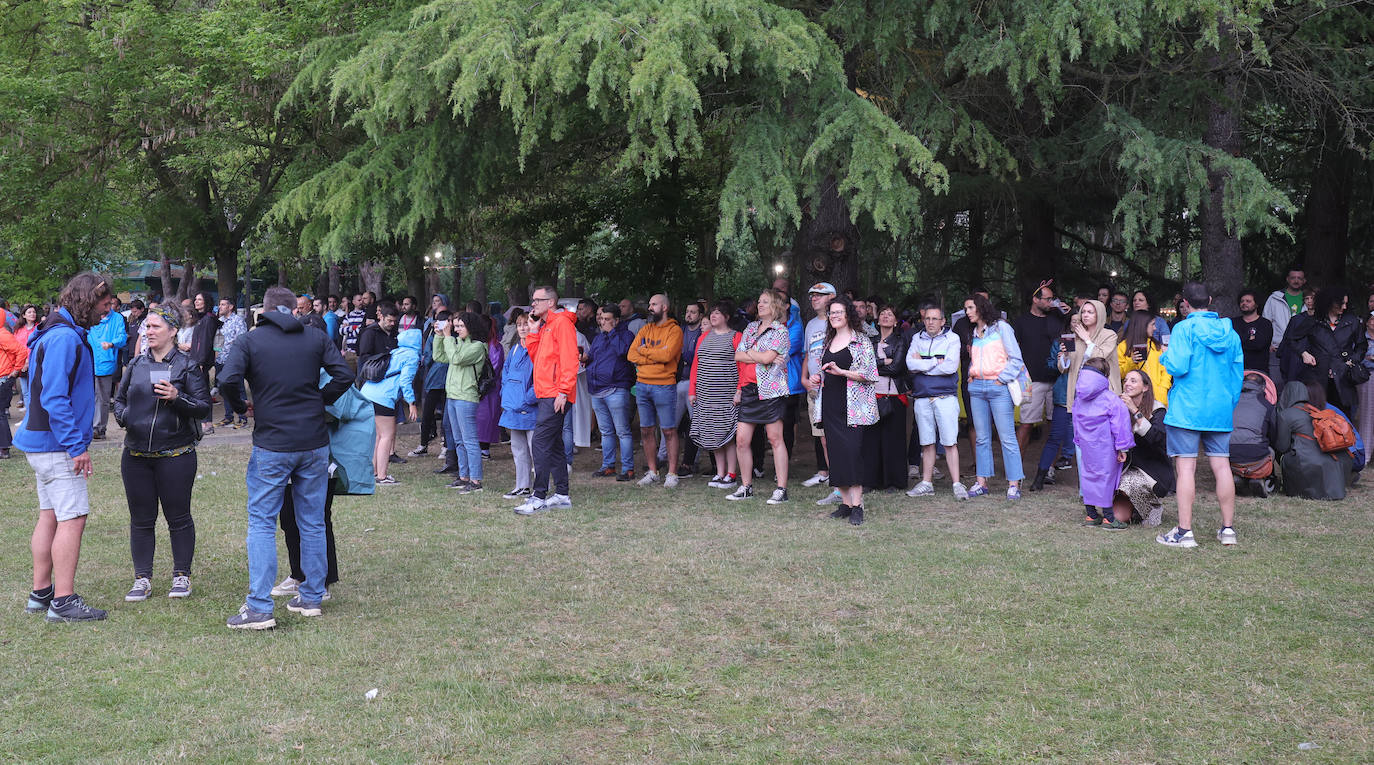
{"x": 352, "y": 431}
{"x": 112, "y": 330}
{"x": 60, "y": 396}
{"x": 1207, "y": 364}
{"x": 519, "y": 405}
{"x": 400, "y": 372}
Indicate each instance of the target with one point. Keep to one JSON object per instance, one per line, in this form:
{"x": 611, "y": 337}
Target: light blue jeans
{"x": 990, "y": 404}
{"x": 267, "y": 476}
{"x": 613, "y": 419}
{"x": 460, "y": 419}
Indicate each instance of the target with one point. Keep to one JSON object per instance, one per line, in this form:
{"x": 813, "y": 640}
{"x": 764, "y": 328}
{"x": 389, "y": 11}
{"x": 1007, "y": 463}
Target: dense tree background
{"x": 620, "y": 147}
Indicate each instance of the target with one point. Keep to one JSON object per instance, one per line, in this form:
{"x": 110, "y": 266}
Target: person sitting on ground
{"x": 1102, "y": 433}
{"x": 1149, "y": 473}
{"x": 1308, "y": 472}
{"x": 1254, "y": 420}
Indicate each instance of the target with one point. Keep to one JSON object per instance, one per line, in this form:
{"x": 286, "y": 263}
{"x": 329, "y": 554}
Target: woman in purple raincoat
{"x": 1102, "y": 432}
{"x": 489, "y": 408}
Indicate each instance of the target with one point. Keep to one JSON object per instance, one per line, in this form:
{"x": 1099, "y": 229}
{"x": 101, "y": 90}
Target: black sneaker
{"x": 779, "y": 496}
{"x": 247, "y": 619}
{"x": 396, "y": 459}
{"x": 472, "y": 488}
{"x": 628, "y": 475}
{"x": 38, "y": 604}
{"x": 842, "y": 511}
{"x": 517, "y": 494}
{"x": 75, "y": 610}
{"x": 224, "y": 423}
{"x": 458, "y": 483}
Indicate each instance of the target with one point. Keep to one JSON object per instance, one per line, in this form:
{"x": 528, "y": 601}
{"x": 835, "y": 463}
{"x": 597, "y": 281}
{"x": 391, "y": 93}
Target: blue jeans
{"x": 460, "y": 419}
{"x": 613, "y": 420}
{"x": 267, "y": 476}
{"x": 989, "y": 404}
{"x": 657, "y": 405}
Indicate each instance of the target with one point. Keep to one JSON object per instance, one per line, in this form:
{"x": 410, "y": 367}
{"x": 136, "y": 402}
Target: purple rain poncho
{"x": 1101, "y": 428}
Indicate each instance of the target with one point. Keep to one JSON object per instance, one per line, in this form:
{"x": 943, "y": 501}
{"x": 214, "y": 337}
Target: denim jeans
{"x": 990, "y": 404}
{"x": 460, "y": 419}
{"x": 267, "y": 476}
{"x": 613, "y": 419}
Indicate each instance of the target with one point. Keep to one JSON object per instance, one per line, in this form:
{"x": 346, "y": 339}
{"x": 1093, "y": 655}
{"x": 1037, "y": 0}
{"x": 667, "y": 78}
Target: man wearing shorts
{"x": 655, "y": 352}
{"x": 933, "y": 358}
{"x": 1036, "y": 330}
{"x": 1205, "y": 358}
{"x": 820, "y": 294}
{"x": 55, "y": 435}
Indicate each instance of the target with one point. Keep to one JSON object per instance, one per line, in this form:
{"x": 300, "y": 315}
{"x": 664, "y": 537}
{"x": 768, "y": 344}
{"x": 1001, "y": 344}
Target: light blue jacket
{"x": 1207, "y": 365}
{"x": 400, "y": 373}
{"x": 518, "y": 403}
{"x": 111, "y": 329}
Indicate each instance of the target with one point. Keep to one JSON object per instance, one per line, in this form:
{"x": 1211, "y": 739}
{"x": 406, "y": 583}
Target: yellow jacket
{"x": 1151, "y": 367}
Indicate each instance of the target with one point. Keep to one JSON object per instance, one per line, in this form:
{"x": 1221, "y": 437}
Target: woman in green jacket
{"x": 462, "y": 344}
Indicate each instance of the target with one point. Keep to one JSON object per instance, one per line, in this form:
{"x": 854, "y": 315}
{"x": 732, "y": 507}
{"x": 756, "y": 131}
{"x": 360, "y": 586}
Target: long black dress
{"x": 843, "y": 443}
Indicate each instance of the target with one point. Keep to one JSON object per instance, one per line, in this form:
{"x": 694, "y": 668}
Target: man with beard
{"x": 656, "y": 350}
{"x": 1256, "y": 332}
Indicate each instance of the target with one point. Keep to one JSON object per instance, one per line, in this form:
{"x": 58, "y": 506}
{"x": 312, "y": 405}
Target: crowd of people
{"x": 1127, "y": 398}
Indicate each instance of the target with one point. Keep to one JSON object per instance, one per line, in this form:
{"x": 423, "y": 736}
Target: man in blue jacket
{"x": 55, "y": 434}
{"x": 1205, "y": 358}
{"x": 106, "y": 339}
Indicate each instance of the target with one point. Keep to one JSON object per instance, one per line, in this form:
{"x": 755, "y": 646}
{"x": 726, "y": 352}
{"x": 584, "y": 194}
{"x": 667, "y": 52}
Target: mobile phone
{"x": 1139, "y": 348}
{"x": 1067, "y": 339}
{"x": 440, "y": 326}
{"x": 156, "y": 376}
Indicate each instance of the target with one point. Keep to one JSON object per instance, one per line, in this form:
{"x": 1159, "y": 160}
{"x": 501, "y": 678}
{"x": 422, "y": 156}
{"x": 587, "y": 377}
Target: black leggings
{"x": 148, "y": 481}
{"x": 430, "y": 408}
{"x": 287, "y": 519}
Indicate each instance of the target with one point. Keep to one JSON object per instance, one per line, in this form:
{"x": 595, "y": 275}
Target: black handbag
{"x": 1356, "y": 373}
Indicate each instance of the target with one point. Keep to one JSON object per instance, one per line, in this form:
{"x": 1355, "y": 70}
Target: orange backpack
{"x": 1331, "y": 431}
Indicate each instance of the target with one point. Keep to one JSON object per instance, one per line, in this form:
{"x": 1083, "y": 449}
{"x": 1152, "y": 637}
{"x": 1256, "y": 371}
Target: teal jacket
{"x": 1207, "y": 365}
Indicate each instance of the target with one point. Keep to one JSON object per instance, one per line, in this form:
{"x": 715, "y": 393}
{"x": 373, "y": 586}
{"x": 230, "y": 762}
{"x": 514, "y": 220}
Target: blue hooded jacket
{"x": 608, "y": 367}
{"x": 519, "y": 406}
{"x": 60, "y": 405}
{"x": 400, "y": 373}
{"x": 1205, "y": 359}
{"x": 112, "y": 330}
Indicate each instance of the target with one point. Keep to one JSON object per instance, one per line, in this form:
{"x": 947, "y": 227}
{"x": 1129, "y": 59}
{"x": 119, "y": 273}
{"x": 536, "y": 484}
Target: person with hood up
{"x": 398, "y": 383}
{"x": 105, "y": 339}
{"x": 1205, "y": 358}
{"x": 1091, "y": 339}
{"x": 1308, "y": 472}
{"x": 1253, "y": 421}
{"x": 1102, "y": 433}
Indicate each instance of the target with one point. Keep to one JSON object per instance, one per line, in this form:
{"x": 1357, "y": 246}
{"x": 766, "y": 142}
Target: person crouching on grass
{"x": 1102, "y": 432}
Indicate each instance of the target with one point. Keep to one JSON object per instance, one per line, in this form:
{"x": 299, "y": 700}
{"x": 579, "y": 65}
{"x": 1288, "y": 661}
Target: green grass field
{"x": 654, "y": 626}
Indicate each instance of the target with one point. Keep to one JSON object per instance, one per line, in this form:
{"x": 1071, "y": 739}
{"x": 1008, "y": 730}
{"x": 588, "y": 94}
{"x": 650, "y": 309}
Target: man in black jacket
{"x": 281, "y": 359}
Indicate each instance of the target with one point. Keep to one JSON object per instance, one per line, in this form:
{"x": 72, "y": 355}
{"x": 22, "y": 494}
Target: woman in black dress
{"x": 849, "y": 403}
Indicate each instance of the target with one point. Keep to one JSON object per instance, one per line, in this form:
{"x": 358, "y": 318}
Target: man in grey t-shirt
{"x": 821, "y": 293}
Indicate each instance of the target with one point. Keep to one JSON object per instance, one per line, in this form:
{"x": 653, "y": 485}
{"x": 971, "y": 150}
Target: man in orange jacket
{"x": 655, "y": 353}
{"x": 14, "y": 359}
{"x": 552, "y": 345}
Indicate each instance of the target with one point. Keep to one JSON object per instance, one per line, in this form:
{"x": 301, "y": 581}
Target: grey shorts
{"x": 60, "y": 489}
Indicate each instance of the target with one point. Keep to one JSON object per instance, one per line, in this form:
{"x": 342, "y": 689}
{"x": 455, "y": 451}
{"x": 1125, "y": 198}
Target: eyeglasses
{"x": 542, "y": 299}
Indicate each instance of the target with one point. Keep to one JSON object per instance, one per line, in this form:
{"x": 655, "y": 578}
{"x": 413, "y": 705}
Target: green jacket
{"x": 464, "y": 359}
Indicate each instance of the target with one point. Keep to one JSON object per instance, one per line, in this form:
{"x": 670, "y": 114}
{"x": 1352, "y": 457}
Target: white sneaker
{"x": 960, "y": 491}
{"x": 1174, "y": 539}
{"x": 288, "y": 586}
{"x": 818, "y": 478}
{"x": 670, "y": 481}
{"x": 721, "y": 482}
{"x": 1227, "y": 536}
{"x": 922, "y": 489}
{"x": 531, "y": 506}
{"x": 913, "y": 471}
{"x": 558, "y": 501}
{"x": 937, "y": 473}
{"x": 779, "y": 496}
{"x": 649, "y": 479}
{"x": 833, "y": 498}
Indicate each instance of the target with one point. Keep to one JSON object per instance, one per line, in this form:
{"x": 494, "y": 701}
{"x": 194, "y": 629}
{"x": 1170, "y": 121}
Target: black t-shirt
{"x": 1255, "y": 338}
{"x": 1036, "y": 336}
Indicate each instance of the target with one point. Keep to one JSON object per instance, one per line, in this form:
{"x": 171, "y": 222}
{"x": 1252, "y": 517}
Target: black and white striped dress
{"x": 714, "y": 416}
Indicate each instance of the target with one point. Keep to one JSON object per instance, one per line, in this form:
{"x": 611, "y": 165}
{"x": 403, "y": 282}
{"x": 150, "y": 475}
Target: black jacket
{"x": 203, "y": 339}
{"x": 281, "y": 359}
{"x": 374, "y": 341}
{"x": 154, "y": 425}
{"x": 897, "y": 370}
{"x": 1151, "y": 454}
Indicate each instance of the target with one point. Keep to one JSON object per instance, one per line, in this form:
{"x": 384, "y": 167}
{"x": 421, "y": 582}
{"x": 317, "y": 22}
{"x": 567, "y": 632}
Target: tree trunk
{"x": 828, "y": 241}
{"x": 370, "y": 273}
{"x": 282, "y": 279}
{"x": 227, "y": 272}
{"x": 168, "y": 286}
{"x": 334, "y": 287}
{"x": 187, "y": 287}
{"x": 706, "y": 267}
{"x": 1221, "y": 252}
{"x": 518, "y": 284}
{"x": 977, "y": 251}
{"x": 1039, "y": 245}
{"x": 1327, "y": 211}
{"x": 479, "y": 286}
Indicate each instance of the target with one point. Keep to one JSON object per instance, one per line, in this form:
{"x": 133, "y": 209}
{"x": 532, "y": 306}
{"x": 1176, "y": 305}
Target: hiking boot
{"x": 248, "y": 619}
{"x": 140, "y": 591}
{"x": 296, "y": 605}
{"x": 288, "y": 586}
{"x": 181, "y": 587}
{"x": 1176, "y": 538}
{"x": 75, "y": 610}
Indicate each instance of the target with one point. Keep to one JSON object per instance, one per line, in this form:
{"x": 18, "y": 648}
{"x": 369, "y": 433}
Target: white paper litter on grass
{"x": 370, "y": 695}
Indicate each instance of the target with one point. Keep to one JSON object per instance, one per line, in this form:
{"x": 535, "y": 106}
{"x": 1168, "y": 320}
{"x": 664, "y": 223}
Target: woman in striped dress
{"x": 711, "y": 394}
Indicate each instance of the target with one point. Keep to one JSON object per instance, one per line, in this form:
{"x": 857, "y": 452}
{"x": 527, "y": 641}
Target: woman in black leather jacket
{"x": 160, "y": 403}
{"x": 885, "y": 441}
{"x": 1325, "y": 347}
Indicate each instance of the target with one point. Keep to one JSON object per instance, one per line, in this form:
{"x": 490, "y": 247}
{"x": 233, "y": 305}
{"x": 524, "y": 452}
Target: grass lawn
{"x": 653, "y": 626}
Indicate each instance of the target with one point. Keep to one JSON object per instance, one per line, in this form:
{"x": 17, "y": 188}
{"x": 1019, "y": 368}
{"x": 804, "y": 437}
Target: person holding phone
{"x": 1140, "y": 351}
{"x": 160, "y": 403}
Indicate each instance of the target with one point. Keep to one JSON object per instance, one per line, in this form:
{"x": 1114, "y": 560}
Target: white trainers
{"x": 833, "y": 498}
{"x": 1227, "y": 536}
{"x": 960, "y": 491}
{"x": 922, "y": 489}
{"x": 288, "y": 586}
{"x": 140, "y": 591}
{"x": 558, "y": 501}
{"x": 1174, "y": 539}
{"x": 818, "y": 478}
{"x": 649, "y": 479}
{"x": 531, "y": 506}
{"x": 670, "y": 481}
{"x": 721, "y": 482}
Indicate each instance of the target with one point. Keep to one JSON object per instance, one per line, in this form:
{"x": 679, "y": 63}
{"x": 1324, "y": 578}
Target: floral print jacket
{"x": 772, "y": 378}
{"x": 861, "y": 396}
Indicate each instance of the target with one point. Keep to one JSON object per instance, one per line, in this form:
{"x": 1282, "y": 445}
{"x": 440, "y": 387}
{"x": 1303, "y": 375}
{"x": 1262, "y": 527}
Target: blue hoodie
{"x": 61, "y": 390}
{"x": 1207, "y": 364}
{"x": 607, "y": 366}
{"x": 112, "y": 330}
{"x": 519, "y": 406}
{"x": 400, "y": 372}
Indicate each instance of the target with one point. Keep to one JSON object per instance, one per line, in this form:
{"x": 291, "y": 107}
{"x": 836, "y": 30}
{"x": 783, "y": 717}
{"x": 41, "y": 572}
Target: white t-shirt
{"x": 815, "y": 343}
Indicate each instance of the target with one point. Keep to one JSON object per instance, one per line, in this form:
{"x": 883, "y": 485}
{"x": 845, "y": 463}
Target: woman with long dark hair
{"x": 202, "y": 351}
{"x": 849, "y": 403}
{"x": 994, "y": 363}
{"x": 463, "y": 346}
{"x": 885, "y": 443}
{"x": 1329, "y": 345}
{"x": 1138, "y": 350}
{"x": 1159, "y": 328}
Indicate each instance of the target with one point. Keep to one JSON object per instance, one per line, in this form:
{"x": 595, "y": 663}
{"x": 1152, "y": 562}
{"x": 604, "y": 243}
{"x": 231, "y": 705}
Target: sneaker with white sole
{"x": 937, "y": 473}
{"x": 140, "y": 591}
{"x": 74, "y": 610}
{"x": 417, "y": 451}
{"x": 978, "y": 490}
{"x": 1227, "y": 536}
{"x": 296, "y": 605}
{"x": 922, "y": 489}
{"x": 816, "y": 480}
{"x": 670, "y": 481}
{"x": 743, "y": 492}
{"x": 248, "y": 619}
{"x": 558, "y": 502}
{"x": 649, "y": 479}
{"x": 532, "y": 506}
{"x": 288, "y": 586}
{"x": 181, "y": 587}
{"x": 779, "y": 496}
{"x": 1176, "y": 539}
{"x": 517, "y": 494}
{"x": 960, "y": 491}
{"x": 833, "y": 498}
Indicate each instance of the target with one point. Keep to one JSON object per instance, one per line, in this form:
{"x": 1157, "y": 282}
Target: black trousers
{"x": 6, "y": 391}
{"x": 149, "y": 481}
{"x": 287, "y": 519}
{"x": 549, "y": 464}
{"x": 885, "y": 450}
{"x": 430, "y": 407}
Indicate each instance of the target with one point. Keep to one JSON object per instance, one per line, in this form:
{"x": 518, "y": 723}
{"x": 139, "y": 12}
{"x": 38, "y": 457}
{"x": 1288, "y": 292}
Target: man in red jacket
{"x": 552, "y": 345}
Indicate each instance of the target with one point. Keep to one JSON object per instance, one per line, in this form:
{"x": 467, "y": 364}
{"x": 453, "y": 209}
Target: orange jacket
{"x": 554, "y": 351}
{"x": 656, "y": 351}
{"x": 14, "y": 355}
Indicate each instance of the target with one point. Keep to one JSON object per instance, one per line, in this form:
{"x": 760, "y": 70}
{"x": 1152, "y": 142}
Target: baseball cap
{"x": 821, "y": 288}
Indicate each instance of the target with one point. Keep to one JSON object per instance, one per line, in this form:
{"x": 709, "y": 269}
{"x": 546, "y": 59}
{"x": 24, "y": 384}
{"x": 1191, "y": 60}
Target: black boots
{"x": 1039, "y": 482}
{"x": 842, "y": 511}
{"x": 856, "y": 515}
{"x": 450, "y": 462}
